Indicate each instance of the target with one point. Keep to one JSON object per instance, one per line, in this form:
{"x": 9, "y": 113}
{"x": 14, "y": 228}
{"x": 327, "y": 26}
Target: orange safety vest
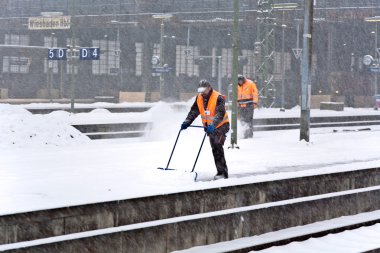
{"x": 247, "y": 93}
{"x": 208, "y": 115}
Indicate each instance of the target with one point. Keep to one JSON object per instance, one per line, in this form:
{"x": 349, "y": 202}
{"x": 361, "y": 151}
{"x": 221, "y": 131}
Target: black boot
{"x": 221, "y": 174}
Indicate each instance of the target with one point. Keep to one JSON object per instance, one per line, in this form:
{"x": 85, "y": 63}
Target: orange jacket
{"x": 247, "y": 93}
{"x": 208, "y": 115}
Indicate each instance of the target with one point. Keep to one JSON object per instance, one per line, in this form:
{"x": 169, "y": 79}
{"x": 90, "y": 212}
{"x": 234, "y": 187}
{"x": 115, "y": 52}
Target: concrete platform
{"x": 23, "y": 227}
{"x": 167, "y": 235}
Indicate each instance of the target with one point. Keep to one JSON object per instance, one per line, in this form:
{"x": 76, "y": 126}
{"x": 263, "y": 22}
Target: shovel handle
{"x": 196, "y": 159}
{"x": 175, "y": 144}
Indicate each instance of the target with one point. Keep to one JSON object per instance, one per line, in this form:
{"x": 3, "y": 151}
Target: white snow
{"x": 354, "y": 243}
{"x": 45, "y": 163}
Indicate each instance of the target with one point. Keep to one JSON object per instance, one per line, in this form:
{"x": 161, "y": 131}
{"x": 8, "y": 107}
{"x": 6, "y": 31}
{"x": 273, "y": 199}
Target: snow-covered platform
{"x": 48, "y": 166}
{"x": 187, "y": 219}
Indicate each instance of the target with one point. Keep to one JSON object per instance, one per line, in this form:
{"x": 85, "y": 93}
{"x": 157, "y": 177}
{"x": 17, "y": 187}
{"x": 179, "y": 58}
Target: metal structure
{"x": 264, "y": 49}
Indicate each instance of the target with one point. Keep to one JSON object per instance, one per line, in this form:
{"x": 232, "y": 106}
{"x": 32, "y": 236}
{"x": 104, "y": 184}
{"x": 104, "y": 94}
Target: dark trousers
{"x": 217, "y": 140}
{"x": 246, "y": 117}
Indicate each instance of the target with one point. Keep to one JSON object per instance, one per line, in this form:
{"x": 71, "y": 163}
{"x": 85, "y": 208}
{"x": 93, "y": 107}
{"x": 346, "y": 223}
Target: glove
{"x": 185, "y": 125}
{"x": 210, "y": 129}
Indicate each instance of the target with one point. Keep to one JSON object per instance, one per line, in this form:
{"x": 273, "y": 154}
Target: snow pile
{"x": 19, "y": 128}
{"x": 167, "y": 120}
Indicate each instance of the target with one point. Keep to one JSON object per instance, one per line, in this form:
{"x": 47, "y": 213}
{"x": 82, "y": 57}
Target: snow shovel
{"x": 175, "y": 144}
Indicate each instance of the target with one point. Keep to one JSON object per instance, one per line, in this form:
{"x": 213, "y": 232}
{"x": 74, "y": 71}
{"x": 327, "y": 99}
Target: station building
{"x": 163, "y": 48}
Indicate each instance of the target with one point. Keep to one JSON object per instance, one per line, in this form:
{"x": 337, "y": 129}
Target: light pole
{"x": 50, "y": 70}
{"x": 107, "y": 55}
{"x": 219, "y": 73}
{"x": 162, "y": 46}
{"x": 283, "y": 7}
{"x": 283, "y": 69}
{"x": 163, "y": 18}
{"x": 72, "y": 49}
{"x": 305, "y": 72}
{"x": 375, "y": 19}
{"x": 376, "y": 56}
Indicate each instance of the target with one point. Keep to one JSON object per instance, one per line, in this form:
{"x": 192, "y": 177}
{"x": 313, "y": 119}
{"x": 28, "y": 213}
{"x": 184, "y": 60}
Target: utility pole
{"x": 234, "y": 75}
{"x": 162, "y": 60}
{"x": 72, "y": 59}
{"x": 305, "y": 72}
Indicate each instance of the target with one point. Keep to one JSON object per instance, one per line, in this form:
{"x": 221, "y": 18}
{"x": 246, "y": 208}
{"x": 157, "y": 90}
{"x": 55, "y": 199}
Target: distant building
{"x": 196, "y": 34}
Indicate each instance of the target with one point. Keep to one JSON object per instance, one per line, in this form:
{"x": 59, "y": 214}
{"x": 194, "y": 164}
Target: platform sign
{"x": 374, "y": 69}
{"x": 49, "y": 23}
{"x": 89, "y": 53}
{"x": 57, "y": 54}
{"x": 162, "y": 69}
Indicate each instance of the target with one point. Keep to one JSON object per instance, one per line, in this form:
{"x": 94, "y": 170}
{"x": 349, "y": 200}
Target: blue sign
{"x": 89, "y": 53}
{"x": 162, "y": 69}
{"x": 374, "y": 69}
{"x": 57, "y": 54}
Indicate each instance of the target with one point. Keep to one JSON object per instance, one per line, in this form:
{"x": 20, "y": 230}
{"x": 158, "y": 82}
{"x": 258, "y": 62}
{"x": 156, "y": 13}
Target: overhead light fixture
{"x": 285, "y": 6}
{"x": 51, "y": 14}
{"x": 162, "y": 16}
{"x": 117, "y": 22}
{"x": 372, "y": 19}
{"x": 214, "y": 20}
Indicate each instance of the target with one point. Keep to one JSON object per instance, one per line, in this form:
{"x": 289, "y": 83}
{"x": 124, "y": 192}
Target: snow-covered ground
{"x": 46, "y": 163}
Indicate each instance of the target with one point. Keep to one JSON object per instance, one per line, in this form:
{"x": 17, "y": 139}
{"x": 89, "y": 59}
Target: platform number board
{"x": 85, "y": 53}
{"x": 89, "y": 53}
{"x": 57, "y": 54}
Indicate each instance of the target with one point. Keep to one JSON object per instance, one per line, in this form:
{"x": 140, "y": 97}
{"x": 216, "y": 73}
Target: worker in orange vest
{"x": 247, "y": 99}
{"x": 210, "y": 104}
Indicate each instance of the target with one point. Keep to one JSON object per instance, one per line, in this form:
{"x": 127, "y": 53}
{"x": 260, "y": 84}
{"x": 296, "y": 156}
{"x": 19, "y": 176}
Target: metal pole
{"x": 119, "y": 45}
{"x": 61, "y": 80}
{"x": 50, "y": 73}
{"x": 305, "y": 72}
{"x": 234, "y": 74}
{"x": 47, "y": 79}
{"x": 188, "y": 37}
{"x": 72, "y": 65}
{"x": 219, "y": 73}
{"x": 283, "y": 67}
{"x": 162, "y": 86}
{"x": 377, "y": 57}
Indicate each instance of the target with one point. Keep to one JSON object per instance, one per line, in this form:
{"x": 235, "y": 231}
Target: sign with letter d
{"x": 89, "y": 53}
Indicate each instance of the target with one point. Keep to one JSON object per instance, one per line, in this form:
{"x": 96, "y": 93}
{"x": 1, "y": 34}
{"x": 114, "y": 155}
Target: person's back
{"x": 248, "y": 97}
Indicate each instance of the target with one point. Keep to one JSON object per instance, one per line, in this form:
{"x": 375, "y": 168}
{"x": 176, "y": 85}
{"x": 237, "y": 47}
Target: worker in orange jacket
{"x": 247, "y": 99}
{"x": 210, "y": 104}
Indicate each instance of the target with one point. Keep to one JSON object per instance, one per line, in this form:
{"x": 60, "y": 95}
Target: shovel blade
{"x": 193, "y": 173}
{"x": 160, "y": 168}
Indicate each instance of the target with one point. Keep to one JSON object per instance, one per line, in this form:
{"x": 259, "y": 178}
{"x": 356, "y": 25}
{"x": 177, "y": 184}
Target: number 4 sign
{"x": 90, "y": 53}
